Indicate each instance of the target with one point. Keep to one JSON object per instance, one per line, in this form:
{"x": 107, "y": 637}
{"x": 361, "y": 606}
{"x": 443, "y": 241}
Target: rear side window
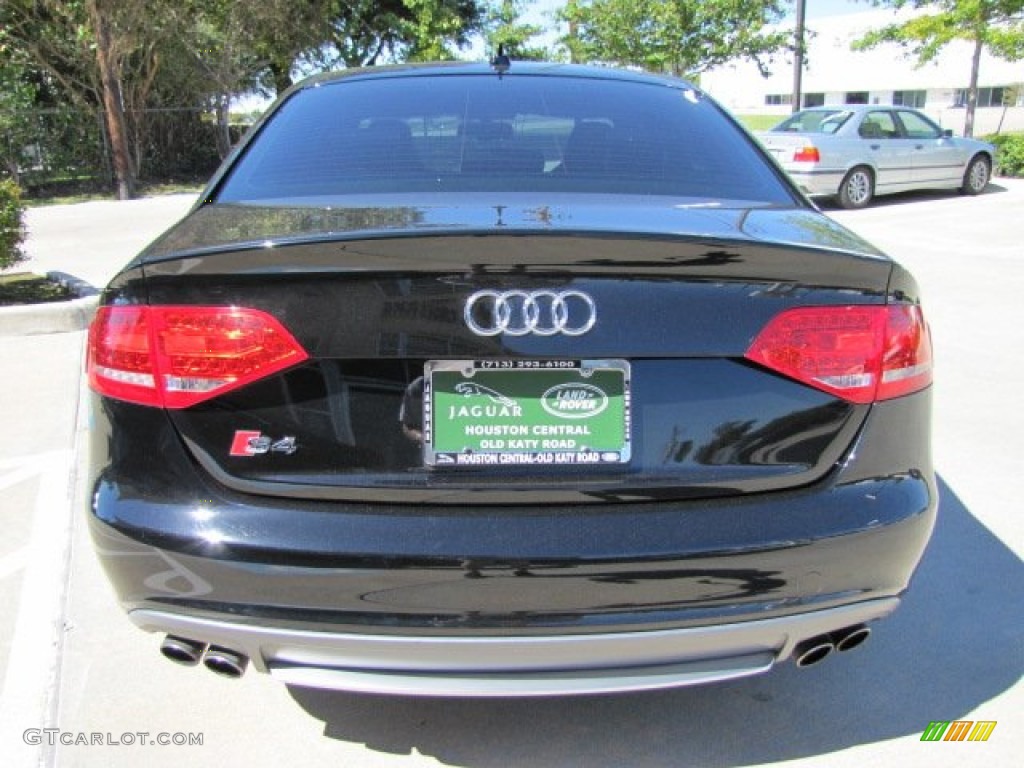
{"x": 817, "y": 121}
{"x": 524, "y": 133}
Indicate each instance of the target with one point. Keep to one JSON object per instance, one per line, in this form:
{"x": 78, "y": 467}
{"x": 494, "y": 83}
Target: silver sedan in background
{"x": 855, "y": 152}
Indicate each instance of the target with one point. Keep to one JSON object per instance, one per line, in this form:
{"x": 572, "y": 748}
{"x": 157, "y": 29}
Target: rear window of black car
{"x": 469, "y": 133}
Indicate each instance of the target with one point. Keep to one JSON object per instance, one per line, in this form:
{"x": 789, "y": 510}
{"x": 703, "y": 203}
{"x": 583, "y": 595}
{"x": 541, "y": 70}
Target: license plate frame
{"x": 526, "y": 413}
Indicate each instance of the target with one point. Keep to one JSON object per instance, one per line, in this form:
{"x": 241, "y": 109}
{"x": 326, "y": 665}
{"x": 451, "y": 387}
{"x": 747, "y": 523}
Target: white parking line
{"x": 14, "y": 562}
{"x": 30, "y": 459}
{"x": 29, "y": 681}
{"x": 25, "y": 467}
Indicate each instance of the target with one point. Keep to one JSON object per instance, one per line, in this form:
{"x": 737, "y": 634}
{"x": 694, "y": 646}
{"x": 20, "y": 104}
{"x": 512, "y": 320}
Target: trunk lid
{"x": 783, "y": 146}
{"x": 377, "y": 296}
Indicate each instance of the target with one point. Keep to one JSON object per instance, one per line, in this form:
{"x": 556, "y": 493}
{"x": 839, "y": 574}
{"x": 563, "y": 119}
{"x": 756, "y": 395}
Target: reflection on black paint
{"x": 708, "y": 259}
{"x": 740, "y": 582}
{"x": 796, "y": 438}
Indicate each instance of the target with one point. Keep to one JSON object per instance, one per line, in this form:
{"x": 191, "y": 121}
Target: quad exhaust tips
{"x": 181, "y": 650}
{"x": 225, "y": 662}
{"x": 810, "y": 652}
{"x": 849, "y": 638}
{"x": 222, "y": 661}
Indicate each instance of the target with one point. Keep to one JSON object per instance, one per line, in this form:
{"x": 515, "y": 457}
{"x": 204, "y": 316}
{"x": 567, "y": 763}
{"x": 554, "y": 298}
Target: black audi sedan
{"x": 510, "y": 380}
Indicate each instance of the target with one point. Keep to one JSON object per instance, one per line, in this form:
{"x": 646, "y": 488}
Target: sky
{"x": 817, "y": 9}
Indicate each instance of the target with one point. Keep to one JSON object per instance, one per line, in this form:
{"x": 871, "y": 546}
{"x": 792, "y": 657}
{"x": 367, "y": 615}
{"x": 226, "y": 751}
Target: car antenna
{"x": 501, "y": 62}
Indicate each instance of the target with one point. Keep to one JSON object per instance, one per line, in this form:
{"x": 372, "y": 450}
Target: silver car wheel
{"x": 977, "y": 176}
{"x": 857, "y": 188}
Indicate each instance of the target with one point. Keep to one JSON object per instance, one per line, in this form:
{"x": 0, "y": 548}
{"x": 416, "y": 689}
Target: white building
{"x": 835, "y": 74}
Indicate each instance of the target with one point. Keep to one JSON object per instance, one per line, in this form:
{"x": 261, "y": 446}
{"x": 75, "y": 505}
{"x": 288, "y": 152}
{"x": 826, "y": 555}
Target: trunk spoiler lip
{"x": 216, "y": 227}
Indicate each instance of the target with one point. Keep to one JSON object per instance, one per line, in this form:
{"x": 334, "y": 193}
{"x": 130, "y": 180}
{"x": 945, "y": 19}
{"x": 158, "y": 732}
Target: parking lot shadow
{"x": 954, "y": 644}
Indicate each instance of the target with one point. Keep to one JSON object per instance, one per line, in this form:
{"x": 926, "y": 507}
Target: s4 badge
{"x": 247, "y": 442}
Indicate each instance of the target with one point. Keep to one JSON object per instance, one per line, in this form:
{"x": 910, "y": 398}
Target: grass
{"x": 760, "y": 122}
{"x": 29, "y": 288}
{"x": 86, "y": 194}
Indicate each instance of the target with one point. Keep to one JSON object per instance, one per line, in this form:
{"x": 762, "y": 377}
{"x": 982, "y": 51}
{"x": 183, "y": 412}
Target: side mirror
{"x": 948, "y": 133}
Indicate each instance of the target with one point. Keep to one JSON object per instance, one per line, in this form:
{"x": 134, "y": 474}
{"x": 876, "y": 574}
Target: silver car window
{"x": 814, "y": 121}
{"x": 917, "y": 126}
{"x": 878, "y": 124}
{"x": 834, "y": 122}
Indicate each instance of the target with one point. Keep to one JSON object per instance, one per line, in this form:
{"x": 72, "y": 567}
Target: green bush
{"x": 12, "y": 227}
{"x": 1009, "y": 153}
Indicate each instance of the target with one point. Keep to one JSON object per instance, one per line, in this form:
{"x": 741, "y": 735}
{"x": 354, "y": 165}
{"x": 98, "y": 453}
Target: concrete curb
{"x": 52, "y": 317}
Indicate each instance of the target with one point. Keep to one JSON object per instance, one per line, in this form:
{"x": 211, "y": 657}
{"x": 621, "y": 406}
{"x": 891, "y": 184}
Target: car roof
{"x": 532, "y": 68}
{"x": 855, "y": 108}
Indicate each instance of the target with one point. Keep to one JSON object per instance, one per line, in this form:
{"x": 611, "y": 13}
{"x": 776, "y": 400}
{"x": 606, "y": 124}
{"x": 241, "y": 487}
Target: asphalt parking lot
{"x": 954, "y": 651}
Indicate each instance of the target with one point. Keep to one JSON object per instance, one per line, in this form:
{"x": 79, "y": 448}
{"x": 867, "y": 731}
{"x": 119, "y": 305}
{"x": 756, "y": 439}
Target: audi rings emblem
{"x": 519, "y": 313}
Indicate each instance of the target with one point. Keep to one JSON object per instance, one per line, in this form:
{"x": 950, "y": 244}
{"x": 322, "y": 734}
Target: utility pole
{"x": 798, "y": 54}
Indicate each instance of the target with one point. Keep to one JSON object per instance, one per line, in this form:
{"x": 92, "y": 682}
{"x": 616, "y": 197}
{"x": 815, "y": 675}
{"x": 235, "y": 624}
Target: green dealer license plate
{"x": 526, "y": 412}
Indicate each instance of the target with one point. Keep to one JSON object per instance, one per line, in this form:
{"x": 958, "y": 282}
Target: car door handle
{"x": 919, "y": 146}
{"x": 875, "y": 146}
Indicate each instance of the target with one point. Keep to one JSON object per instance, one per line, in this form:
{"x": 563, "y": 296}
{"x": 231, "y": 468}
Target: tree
{"x": 1011, "y": 96}
{"x": 17, "y": 98}
{"x": 367, "y": 32}
{"x": 220, "y": 53}
{"x": 282, "y": 34}
{"x": 52, "y": 38}
{"x": 154, "y": 69}
{"x": 504, "y": 27}
{"x": 12, "y": 224}
{"x": 113, "y": 100}
{"x": 99, "y": 54}
{"x": 996, "y": 25}
{"x": 48, "y": 102}
{"x": 683, "y": 37}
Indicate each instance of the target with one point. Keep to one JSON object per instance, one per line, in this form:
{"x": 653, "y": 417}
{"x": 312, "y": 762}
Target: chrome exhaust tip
{"x": 810, "y": 652}
{"x": 225, "y": 662}
{"x": 181, "y": 650}
{"x": 849, "y": 638}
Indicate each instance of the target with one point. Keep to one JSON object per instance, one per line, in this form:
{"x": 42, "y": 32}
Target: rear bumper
{"x": 517, "y": 666}
{"x": 817, "y": 183}
{"x": 517, "y": 600}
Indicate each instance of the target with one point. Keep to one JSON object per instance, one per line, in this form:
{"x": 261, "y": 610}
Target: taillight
{"x": 807, "y": 155}
{"x": 859, "y": 353}
{"x": 177, "y": 356}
